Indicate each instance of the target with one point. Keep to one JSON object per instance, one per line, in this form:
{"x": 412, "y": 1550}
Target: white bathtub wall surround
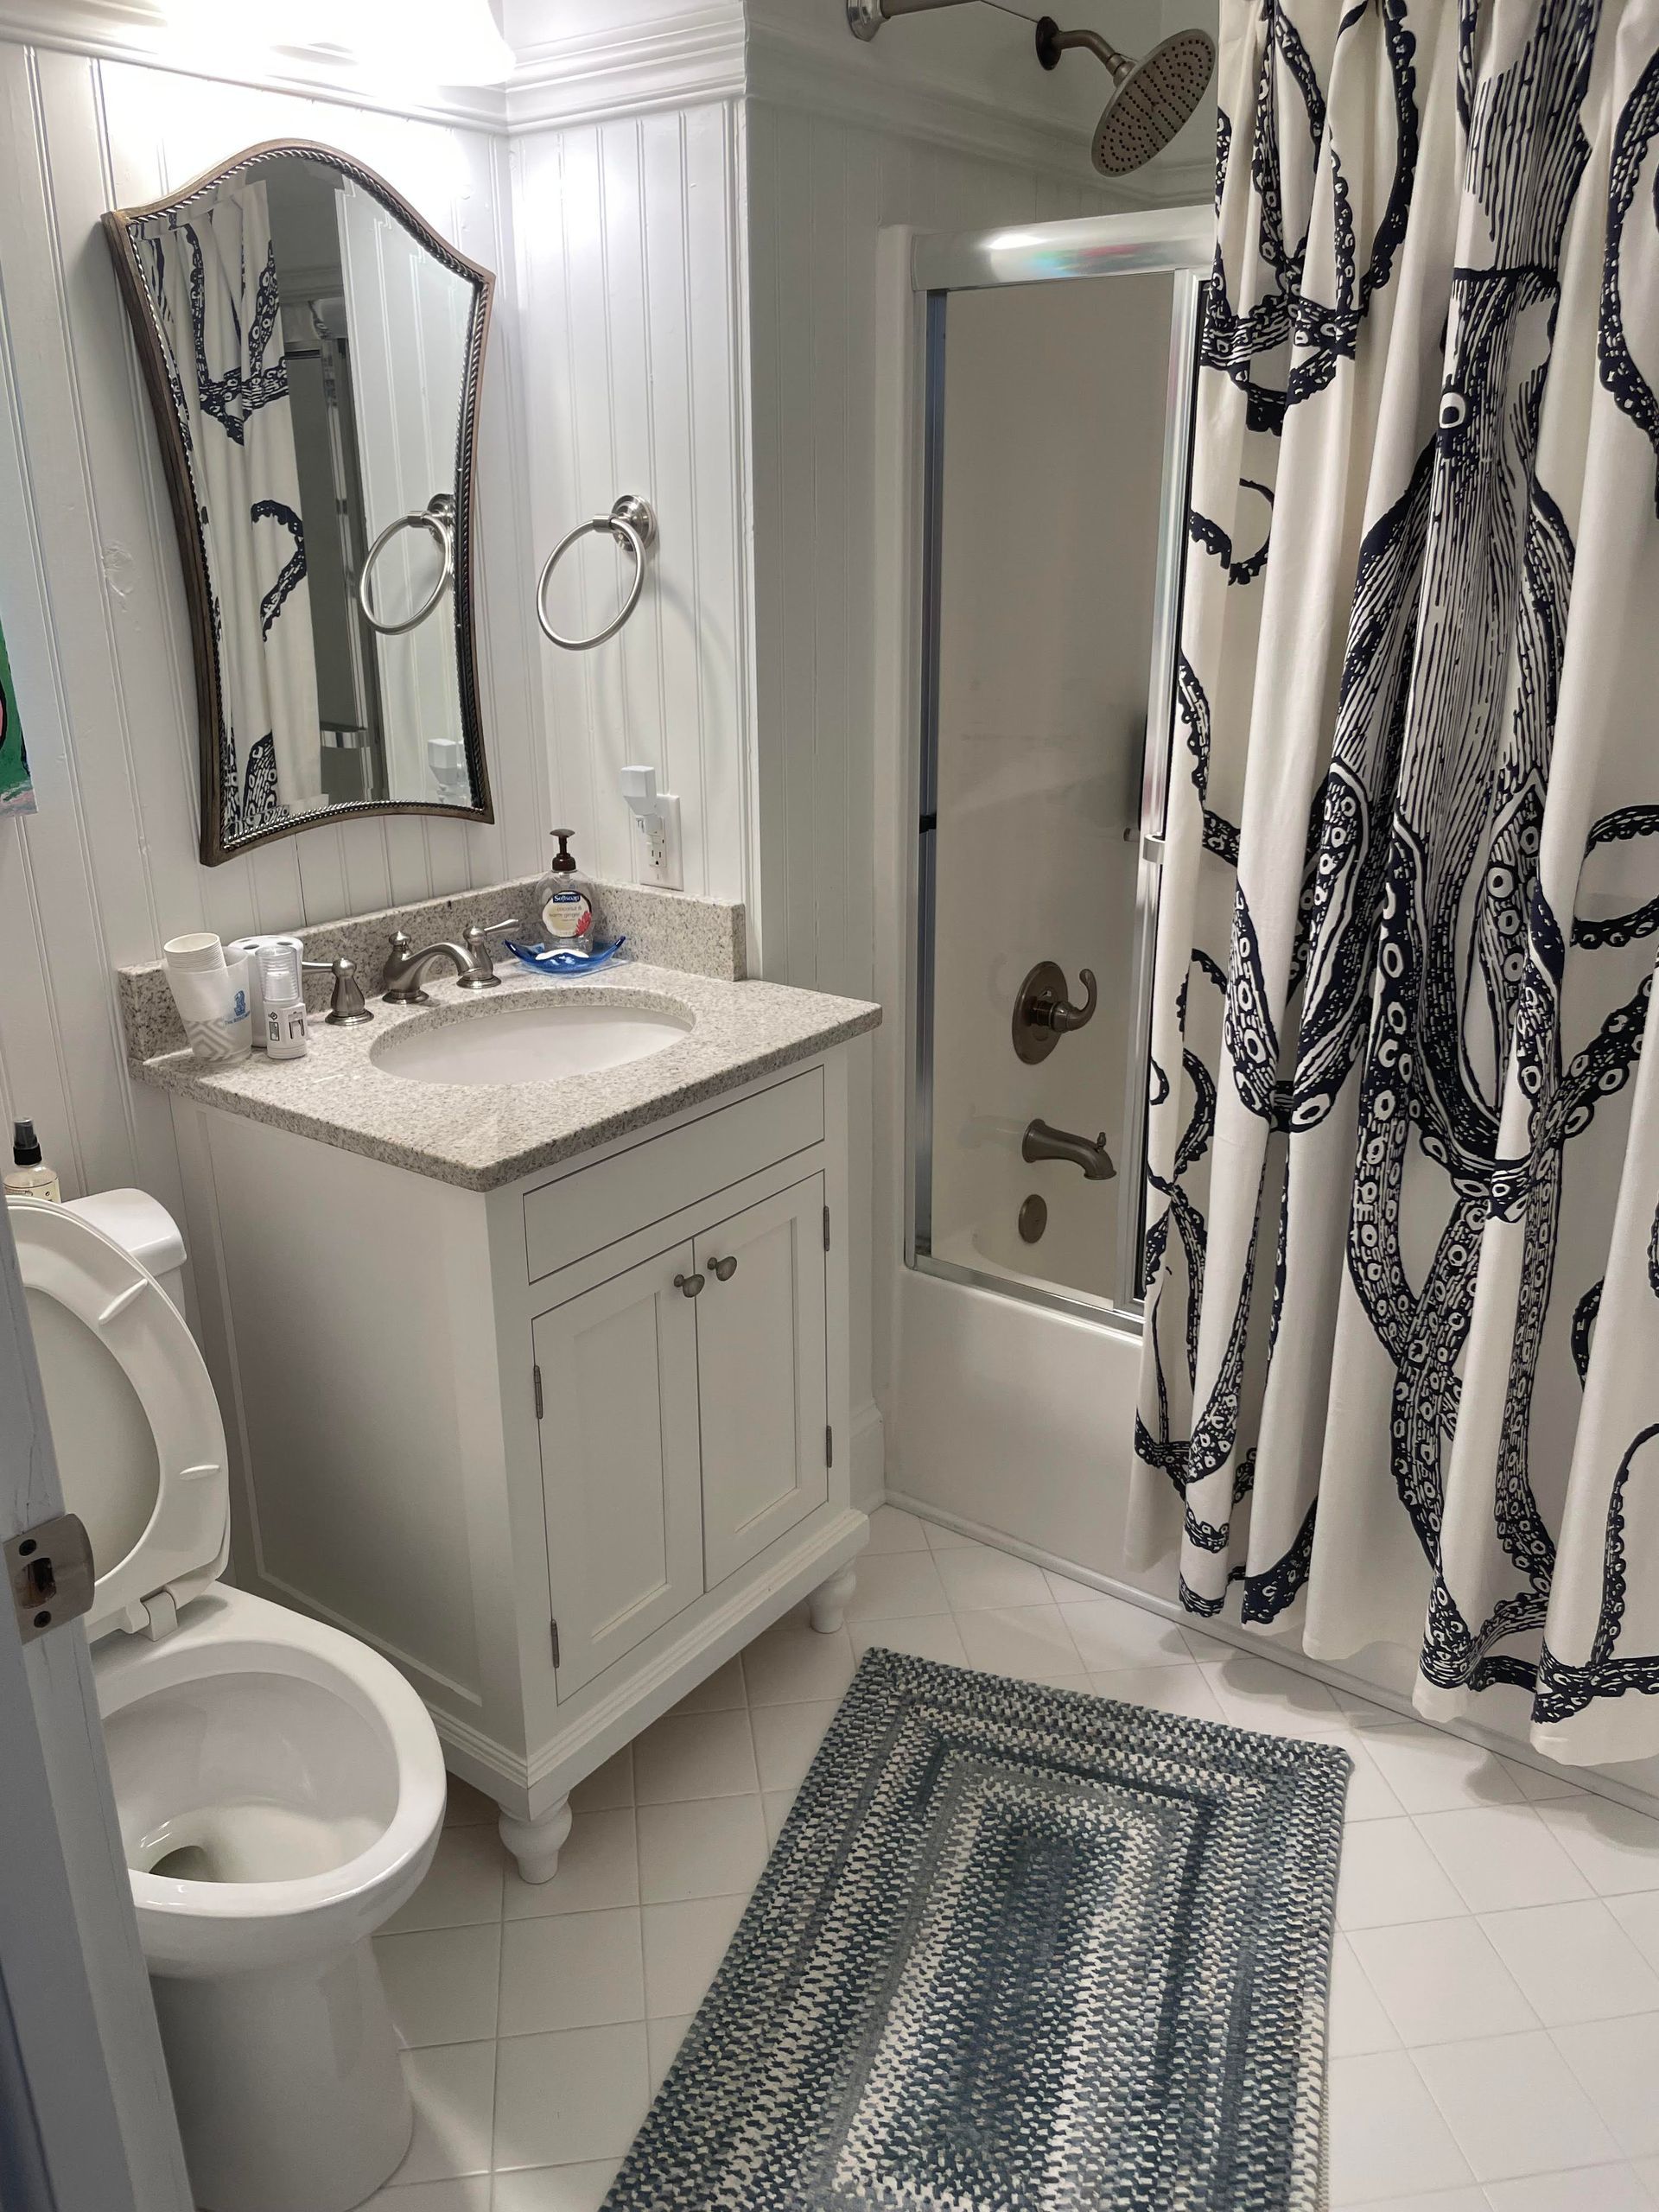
{"x": 665, "y": 929}
{"x": 1045, "y": 644}
{"x": 95, "y": 625}
{"x": 1409, "y": 903}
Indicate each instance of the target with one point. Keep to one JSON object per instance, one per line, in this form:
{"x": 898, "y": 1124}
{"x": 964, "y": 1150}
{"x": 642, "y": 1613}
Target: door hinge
{"x": 49, "y": 1567}
{"x": 554, "y": 1627}
{"x": 829, "y": 1447}
{"x": 826, "y": 1229}
{"x": 536, "y": 1382}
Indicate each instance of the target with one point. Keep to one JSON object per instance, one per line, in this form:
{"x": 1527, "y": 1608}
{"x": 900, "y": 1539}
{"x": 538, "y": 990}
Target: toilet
{"x": 280, "y": 1787}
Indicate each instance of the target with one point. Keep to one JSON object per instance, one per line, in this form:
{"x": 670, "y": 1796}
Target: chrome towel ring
{"x": 633, "y": 527}
{"x": 439, "y": 516}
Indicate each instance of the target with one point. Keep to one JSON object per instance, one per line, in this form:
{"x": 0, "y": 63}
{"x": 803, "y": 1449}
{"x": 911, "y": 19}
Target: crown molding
{"x": 688, "y": 59}
{"x": 691, "y": 54}
{"x": 138, "y": 31}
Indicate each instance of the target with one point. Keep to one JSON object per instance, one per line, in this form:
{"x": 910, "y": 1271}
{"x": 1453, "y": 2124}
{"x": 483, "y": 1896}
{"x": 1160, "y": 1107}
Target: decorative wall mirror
{"x": 311, "y": 350}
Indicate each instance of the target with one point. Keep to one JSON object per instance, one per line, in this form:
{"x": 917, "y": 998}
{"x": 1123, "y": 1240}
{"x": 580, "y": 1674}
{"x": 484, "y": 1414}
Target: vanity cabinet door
{"x": 620, "y": 1467}
{"x": 760, "y": 1366}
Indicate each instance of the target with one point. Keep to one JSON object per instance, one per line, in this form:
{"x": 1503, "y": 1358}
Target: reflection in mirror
{"x": 311, "y": 350}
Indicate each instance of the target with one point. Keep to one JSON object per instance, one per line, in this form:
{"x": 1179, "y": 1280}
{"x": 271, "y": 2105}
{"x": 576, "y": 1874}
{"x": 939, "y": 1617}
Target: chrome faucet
{"x": 1042, "y": 1142}
{"x": 404, "y": 973}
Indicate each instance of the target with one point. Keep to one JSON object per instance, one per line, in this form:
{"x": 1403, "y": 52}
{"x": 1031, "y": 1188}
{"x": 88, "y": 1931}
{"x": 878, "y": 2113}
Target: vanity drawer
{"x": 594, "y": 1206}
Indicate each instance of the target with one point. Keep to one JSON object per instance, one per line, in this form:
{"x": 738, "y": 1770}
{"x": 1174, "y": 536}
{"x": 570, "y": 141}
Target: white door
{"x": 85, "y": 2114}
{"x": 762, "y": 1375}
{"x": 617, "y": 1364}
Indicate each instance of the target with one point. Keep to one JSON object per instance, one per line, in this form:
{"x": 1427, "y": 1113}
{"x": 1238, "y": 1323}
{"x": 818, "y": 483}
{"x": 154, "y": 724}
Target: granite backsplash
{"x": 665, "y": 929}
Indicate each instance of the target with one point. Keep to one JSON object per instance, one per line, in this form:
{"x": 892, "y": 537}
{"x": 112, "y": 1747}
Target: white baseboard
{"x": 1596, "y": 1780}
{"x": 868, "y": 1472}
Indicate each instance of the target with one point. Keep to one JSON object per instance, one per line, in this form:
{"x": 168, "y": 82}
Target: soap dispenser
{"x": 566, "y": 910}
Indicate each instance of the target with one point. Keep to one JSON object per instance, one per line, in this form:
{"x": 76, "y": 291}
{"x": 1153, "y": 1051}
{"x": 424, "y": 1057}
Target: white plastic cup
{"x": 197, "y": 950}
{"x": 212, "y": 995}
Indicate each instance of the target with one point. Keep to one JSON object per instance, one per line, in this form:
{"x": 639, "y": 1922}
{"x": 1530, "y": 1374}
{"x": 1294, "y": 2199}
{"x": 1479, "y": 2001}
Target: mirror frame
{"x": 193, "y": 551}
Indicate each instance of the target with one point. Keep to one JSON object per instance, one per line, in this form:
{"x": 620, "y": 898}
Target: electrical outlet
{"x": 657, "y": 856}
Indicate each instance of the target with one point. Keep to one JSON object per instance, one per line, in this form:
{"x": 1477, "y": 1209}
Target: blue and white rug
{"x": 1017, "y": 1950}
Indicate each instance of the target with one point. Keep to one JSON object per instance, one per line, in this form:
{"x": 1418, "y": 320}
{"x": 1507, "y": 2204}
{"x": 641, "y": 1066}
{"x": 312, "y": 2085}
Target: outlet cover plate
{"x": 657, "y": 857}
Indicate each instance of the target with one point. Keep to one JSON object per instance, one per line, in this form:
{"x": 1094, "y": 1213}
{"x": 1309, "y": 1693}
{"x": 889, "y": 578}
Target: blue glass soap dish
{"x": 560, "y": 962}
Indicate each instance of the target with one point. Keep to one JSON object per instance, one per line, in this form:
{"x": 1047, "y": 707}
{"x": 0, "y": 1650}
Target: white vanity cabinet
{"x": 696, "y": 1379}
{"x": 558, "y": 1449}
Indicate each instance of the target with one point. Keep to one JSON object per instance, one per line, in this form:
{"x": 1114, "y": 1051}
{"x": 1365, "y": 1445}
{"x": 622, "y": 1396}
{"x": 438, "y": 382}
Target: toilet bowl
{"x": 279, "y": 1786}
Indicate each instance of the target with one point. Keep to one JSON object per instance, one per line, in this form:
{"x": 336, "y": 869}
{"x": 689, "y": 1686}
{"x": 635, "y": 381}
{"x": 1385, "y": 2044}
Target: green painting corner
{"x": 17, "y": 789}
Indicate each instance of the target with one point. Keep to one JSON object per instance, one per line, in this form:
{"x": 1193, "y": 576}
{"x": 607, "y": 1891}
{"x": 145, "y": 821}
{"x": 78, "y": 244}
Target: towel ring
{"x": 439, "y": 516}
{"x": 633, "y": 527}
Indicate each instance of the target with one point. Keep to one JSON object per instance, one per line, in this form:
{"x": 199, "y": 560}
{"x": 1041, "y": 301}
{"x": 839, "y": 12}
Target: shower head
{"x": 1150, "y": 98}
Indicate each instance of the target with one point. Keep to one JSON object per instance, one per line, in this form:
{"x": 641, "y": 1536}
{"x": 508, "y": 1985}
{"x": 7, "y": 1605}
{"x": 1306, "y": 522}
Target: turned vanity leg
{"x": 827, "y": 1606}
{"x": 537, "y": 1844}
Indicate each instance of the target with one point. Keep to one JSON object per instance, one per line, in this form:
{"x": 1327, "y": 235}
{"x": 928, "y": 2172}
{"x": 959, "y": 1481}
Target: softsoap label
{"x": 567, "y": 914}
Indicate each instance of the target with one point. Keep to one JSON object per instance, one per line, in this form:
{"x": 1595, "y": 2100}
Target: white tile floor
{"x": 1494, "y": 2019}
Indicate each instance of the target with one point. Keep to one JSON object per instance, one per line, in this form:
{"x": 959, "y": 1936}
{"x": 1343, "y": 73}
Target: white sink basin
{"x": 534, "y": 1042}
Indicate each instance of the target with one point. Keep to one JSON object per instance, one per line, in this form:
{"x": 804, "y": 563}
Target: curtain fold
{"x": 212, "y": 272}
{"x": 1401, "y": 1370}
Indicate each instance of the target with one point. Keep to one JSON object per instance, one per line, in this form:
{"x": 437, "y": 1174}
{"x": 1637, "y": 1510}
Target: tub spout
{"x": 1042, "y": 1142}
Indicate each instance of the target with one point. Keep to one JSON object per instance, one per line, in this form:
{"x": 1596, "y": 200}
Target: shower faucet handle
{"x": 1065, "y": 1017}
{"x": 1043, "y": 1012}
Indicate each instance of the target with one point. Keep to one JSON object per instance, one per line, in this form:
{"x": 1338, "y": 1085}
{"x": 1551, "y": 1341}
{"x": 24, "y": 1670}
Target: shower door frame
{"x": 1176, "y": 242}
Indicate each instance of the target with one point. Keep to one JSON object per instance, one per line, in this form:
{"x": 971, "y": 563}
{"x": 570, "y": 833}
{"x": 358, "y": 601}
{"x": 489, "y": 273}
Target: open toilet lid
{"x": 135, "y": 1426}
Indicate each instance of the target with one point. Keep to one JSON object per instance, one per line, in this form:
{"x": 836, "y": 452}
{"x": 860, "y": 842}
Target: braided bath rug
{"x": 1017, "y": 1950}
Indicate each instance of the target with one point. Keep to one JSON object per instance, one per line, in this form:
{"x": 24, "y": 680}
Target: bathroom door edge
{"x": 85, "y": 2111}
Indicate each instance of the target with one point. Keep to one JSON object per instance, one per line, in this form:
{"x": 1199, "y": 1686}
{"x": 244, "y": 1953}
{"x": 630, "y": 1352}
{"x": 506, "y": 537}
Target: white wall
{"x": 92, "y": 605}
{"x": 630, "y": 266}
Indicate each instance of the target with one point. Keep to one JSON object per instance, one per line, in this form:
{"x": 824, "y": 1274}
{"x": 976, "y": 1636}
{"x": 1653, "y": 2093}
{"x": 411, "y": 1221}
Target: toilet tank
{"x": 143, "y": 1226}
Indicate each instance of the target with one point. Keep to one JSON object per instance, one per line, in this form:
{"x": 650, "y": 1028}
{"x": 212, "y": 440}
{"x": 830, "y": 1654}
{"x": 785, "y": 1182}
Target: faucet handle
{"x": 481, "y": 975}
{"x": 475, "y": 932}
{"x": 346, "y": 1000}
{"x": 1043, "y": 1012}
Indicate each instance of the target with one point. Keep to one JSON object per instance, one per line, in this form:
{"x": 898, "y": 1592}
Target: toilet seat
{"x": 146, "y": 1464}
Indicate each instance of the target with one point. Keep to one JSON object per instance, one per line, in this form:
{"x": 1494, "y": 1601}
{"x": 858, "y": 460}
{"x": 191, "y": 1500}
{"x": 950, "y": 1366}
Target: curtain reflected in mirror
{"x": 313, "y": 352}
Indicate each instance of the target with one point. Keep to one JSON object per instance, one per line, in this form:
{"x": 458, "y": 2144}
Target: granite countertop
{"x": 481, "y": 1135}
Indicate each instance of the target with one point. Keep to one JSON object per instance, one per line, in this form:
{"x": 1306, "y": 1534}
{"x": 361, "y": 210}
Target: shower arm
{"x": 1052, "y": 41}
{"x": 866, "y": 17}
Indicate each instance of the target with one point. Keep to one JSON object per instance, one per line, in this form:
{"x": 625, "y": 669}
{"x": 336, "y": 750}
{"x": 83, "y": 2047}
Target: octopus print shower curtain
{"x": 1401, "y": 1358}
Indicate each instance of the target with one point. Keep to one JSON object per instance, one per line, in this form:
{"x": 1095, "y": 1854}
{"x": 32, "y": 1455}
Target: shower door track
{"x": 1179, "y": 242}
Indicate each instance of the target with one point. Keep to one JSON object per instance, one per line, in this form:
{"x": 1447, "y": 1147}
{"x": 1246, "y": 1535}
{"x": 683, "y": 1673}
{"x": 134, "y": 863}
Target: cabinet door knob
{"x": 724, "y": 1269}
{"x": 688, "y": 1286}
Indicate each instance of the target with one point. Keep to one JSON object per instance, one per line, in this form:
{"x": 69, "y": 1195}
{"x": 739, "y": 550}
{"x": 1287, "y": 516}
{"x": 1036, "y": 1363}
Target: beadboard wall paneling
{"x": 93, "y": 604}
{"x": 631, "y": 278}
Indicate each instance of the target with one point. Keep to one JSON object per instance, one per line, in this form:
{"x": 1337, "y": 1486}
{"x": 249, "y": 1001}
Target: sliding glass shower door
{"x": 1056, "y": 442}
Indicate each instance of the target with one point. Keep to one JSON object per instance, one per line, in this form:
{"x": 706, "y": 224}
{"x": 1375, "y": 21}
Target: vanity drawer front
{"x": 595, "y": 1207}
